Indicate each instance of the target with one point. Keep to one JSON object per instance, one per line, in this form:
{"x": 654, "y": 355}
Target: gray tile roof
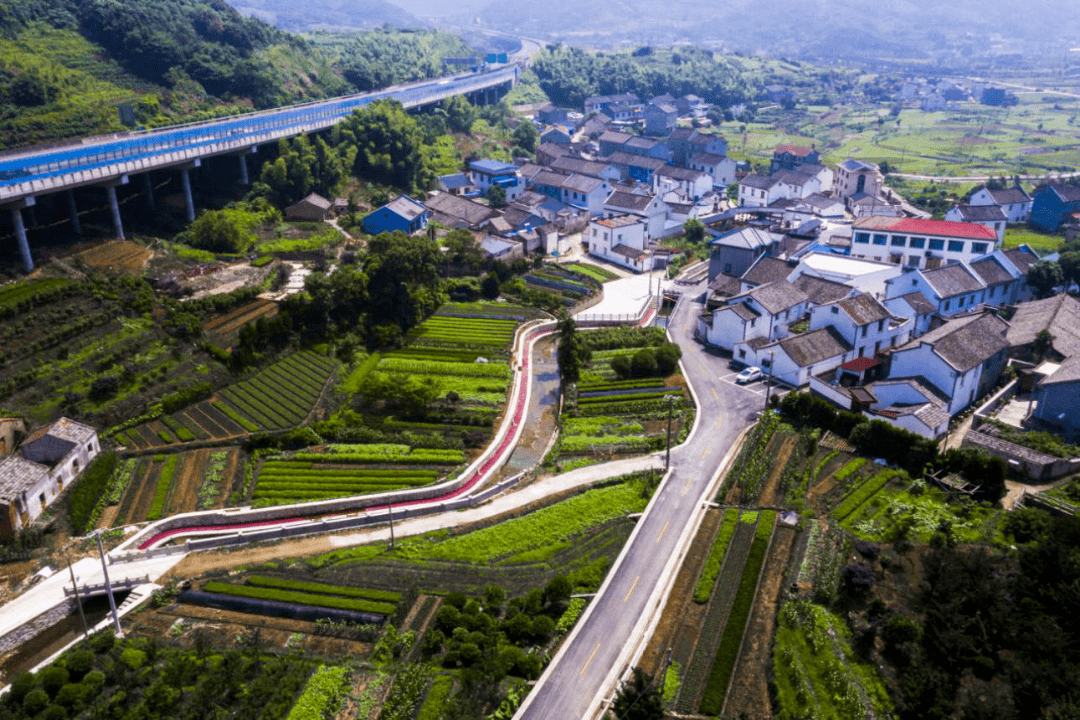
{"x": 1021, "y": 259}
{"x": 621, "y": 157}
{"x": 550, "y": 177}
{"x": 965, "y": 342}
{"x": 465, "y": 210}
{"x": 766, "y": 270}
{"x": 613, "y": 136}
{"x": 760, "y": 182}
{"x": 579, "y": 166}
{"x": 1009, "y": 196}
{"x": 777, "y": 296}
{"x": 748, "y": 238}
{"x": 981, "y": 213}
{"x": 744, "y": 311}
{"x": 1067, "y": 373}
{"x": 820, "y": 291}
{"x": 864, "y": 309}
{"x": 629, "y": 201}
{"x": 582, "y": 183}
{"x": 1059, "y": 315}
{"x": 919, "y": 303}
{"x": 679, "y": 173}
{"x": 950, "y": 280}
{"x": 705, "y": 158}
{"x": 815, "y": 346}
{"x": 932, "y": 413}
{"x": 991, "y": 271}
{"x": 18, "y": 475}
{"x": 1068, "y": 193}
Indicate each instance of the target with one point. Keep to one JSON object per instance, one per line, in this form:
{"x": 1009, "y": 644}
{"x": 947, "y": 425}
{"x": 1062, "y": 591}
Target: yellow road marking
{"x": 686, "y": 487}
{"x": 719, "y": 421}
{"x": 586, "y": 665}
{"x": 715, "y": 394}
{"x": 632, "y": 588}
{"x": 662, "y": 531}
{"x": 706, "y": 453}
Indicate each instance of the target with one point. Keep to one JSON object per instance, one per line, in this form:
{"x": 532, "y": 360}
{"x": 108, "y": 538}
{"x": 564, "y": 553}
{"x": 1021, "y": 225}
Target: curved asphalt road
{"x": 601, "y": 644}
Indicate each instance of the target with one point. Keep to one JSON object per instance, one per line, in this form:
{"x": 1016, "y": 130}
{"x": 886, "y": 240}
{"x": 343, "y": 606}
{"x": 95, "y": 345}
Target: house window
{"x": 862, "y": 238}
{"x": 835, "y": 310}
{"x": 742, "y": 353}
{"x": 937, "y": 244}
{"x": 914, "y": 282}
{"x": 752, "y": 321}
{"x": 880, "y": 325}
{"x": 864, "y": 327}
{"x": 918, "y": 243}
{"x": 979, "y": 248}
{"x": 956, "y": 246}
{"x": 898, "y": 240}
{"x": 947, "y": 304}
{"x": 962, "y": 301}
{"x": 75, "y": 467}
{"x": 727, "y": 268}
{"x": 880, "y": 239}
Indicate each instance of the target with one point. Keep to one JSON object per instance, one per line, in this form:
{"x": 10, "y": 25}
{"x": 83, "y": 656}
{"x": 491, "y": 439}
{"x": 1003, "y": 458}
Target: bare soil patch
{"x": 782, "y": 454}
{"x": 117, "y": 255}
{"x": 185, "y": 494}
{"x": 142, "y": 495}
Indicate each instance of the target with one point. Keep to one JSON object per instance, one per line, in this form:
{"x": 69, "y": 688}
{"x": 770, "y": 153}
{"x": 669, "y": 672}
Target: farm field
{"x": 608, "y": 414}
{"x": 224, "y": 330}
{"x": 162, "y": 485}
{"x": 117, "y": 255}
{"x": 570, "y": 284}
{"x": 967, "y": 139}
{"x": 278, "y": 397}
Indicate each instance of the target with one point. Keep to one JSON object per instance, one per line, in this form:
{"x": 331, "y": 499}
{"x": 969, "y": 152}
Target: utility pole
{"x": 670, "y": 404}
{"x": 390, "y": 515}
{"x": 78, "y": 602}
{"x": 108, "y": 585}
{"x": 768, "y": 386}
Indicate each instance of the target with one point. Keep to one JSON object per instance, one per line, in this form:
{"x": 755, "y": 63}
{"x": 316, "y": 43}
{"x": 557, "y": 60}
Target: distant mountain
{"x": 328, "y": 14}
{"x": 836, "y": 28}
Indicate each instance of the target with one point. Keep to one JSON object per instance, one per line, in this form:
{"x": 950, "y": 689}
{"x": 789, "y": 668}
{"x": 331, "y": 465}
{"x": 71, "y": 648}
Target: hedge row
{"x": 324, "y": 588}
{"x": 299, "y": 598}
{"x": 728, "y": 652}
{"x": 164, "y": 482}
{"x": 89, "y": 489}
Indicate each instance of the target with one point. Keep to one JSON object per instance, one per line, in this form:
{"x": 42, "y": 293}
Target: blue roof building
{"x": 402, "y": 213}
{"x": 486, "y": 173}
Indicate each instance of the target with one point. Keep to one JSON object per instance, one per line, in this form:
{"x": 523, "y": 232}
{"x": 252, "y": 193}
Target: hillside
{"x": 328, "y": 14}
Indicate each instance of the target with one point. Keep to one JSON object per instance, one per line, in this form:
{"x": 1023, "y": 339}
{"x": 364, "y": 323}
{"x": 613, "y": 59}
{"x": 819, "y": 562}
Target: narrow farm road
{"x": 595, "y": 654}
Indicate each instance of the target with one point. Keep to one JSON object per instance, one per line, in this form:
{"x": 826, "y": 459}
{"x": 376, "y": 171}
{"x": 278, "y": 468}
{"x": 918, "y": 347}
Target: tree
{"x": 573, "y": 353}
{"x": 389, "y": 146}
{"x": 496, "y": 195}
{"x": 526, "y": 136}
{"x": 462, "y": 249}
{"x": 1070, "y": 266}
{"x": 226, "y": 231}
{"x": 638, "y": 699}
{"x": 1044, "y": 342}
{"x": 1043, "y": 277}
{"x": 694, "y": 229}
{"x": 489, "y": 286}
{"x": 403, "y": 279}
{"x": 460, "y": 114}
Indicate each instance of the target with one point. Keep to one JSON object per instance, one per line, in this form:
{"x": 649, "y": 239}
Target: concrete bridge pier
{"x": 73, "y": 211}
{"x": 114, "y": 206}
{"x": 149, "y": 190}
{"x": 245, "y": 178}
{"x": 20, "y": 232}
{"x": 185, "y": 177}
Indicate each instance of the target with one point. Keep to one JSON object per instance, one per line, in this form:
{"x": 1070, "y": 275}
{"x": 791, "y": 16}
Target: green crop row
{"x": 323, "y": 694}
{"x": 437, "y": 695}
{"x": 416, "y": 457}
{"x": 299, "y": 598}
{"x": 850, "y": 468}
{"x": 236, "y": 417}
{"x": 713, "y": 563}
{"x": 861, "y": 494}
{"x": 325, "y": 588}
{"x": 182, "y": 433}
{"x": 161, "y": 493}
{"x": 424, "y": 367}
{"x": 728, "y": 652}
{"x": 166, "y": 436}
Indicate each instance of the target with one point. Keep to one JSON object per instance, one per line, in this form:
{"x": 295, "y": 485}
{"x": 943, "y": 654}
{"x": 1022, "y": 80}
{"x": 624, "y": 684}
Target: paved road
{"x": 604, "y": 639}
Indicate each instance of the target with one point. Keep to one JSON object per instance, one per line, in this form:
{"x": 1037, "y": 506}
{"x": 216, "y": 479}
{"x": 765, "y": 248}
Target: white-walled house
{"x": 952, "y": 289}
{"x": 485, "y": 173}
{"x": 868, "y": 276}
{"x": 914, "y": 242}
{"x": 962, "y": 358}
{"x": 866, "y": 324}
{"x": 46, "y": 462}
{"x": 621, "y": 239}
{"x": 854, "y": 177}
{"x": 989, "y": 216}
{"x": 916, "y": 307}
{"x": 651, "y": 208}
{"x": 1014, "y": 202}
{"x": 760, "y": 191}
{"x": 1002, "y": 279}
{"x": 794, "y": 359}
{"x": 764, "y": 313}
{"x": 690, "y": 184}
{"x": 721, "y": 169}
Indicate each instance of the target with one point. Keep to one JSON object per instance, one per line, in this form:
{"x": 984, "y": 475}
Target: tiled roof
{"x": 457, "y": 180}
{"x": 618, "y": 221}
{"x": 680, "y": 173}
{"x": 744, "y": 311}
{"x": 579, "y": 166}
{"x": 458, "y": 207}
{"x": 406, "y": 207}
{"x": 950, "y": 280}
{"x": 707, "y": 159}
{"x": 630, "y": 201}
{"x": 821, "y": 291}
{"x": 550, "y": 177}
{"x": 760, "y": 182}
{"x": 918, "y": 302}
{"x": 1021, "y": 259}
{"x": 628, "y": 252}
{"x": 793, "y": 150}
{"x": 864, "y": 309}
{"x": 1068, "y": 193}
{"x": 614, "y": 136}
{"x": 18, "y": 475}
{"x": 991, "y": 271}
{"x": 1058, "y": 315}
{"x": 1009, "y": 196}
{"x": 621, "y": 157}
{"x": 815, "y": 346}
{"x": 766, "y": 270}
{"x": 1068, "y": 372}
{"x": 981, "y": 213}
{"x": 917, "y": 226}
{"x": 582, "y": 183}
{"x": 748, "y": 238}
{"x": 777, "y": 296}
{"x": 315, "y": 199}
{"x": 965, "y": 342}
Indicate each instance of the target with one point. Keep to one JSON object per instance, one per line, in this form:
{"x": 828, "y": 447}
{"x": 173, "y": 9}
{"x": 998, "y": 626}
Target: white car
{"x": 749, "y": 374}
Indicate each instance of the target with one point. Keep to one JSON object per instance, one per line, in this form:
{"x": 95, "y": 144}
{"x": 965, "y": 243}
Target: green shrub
{"x": 704, "y": 587}
{"x": 88, "y": 490}
{"x": 161, "y": 493}
{"x": 851, "y": 467}
{"x": 323, "y": 694}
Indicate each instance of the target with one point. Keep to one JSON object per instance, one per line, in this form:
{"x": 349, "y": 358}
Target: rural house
{"x": 1052, "y": 204}
{"x": 1014, "y": 202}
{"x": 313, "y": 207}
{"x": 402, "y": 213}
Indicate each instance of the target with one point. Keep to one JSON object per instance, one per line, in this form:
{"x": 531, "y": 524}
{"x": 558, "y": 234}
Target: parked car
{"x": 750, "y": 374}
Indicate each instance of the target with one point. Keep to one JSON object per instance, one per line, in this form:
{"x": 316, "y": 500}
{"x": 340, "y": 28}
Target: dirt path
{"x": 768, "y": 493}
{"x": 749, "y": 693}
{"x": 185, "y": 494}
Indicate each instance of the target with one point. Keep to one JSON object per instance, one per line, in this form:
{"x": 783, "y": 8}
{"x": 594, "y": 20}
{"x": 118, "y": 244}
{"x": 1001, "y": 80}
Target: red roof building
{"x": 923, "y": 244}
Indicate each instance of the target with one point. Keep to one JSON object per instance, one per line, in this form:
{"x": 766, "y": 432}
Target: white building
{"x": 952, "y": 290}
{"x": 868, "y": 276}
{"x": 989, "y": 216}
{"x": 866, "y": 324}
{"x": 721, "y": 169}
{"x": 1014, "y": 202}
{"x": 854, "y": 177}
{"x": 47, "y": 462}
{"x": 763, "y": 313}
{"x": 650, "y": 208}
{"x": 688, "y": 183}
{"x": 622, "y": 240}
{"x": 920, "y": 243}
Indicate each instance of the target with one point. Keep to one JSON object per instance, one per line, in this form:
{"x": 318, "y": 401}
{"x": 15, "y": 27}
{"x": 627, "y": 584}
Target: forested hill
{"x": 65, "y": 65}
{"x": 328, "y": 14}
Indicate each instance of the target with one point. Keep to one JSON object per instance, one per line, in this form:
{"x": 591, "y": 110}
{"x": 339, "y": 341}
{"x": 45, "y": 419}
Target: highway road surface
{"x": 581, "y": 674}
